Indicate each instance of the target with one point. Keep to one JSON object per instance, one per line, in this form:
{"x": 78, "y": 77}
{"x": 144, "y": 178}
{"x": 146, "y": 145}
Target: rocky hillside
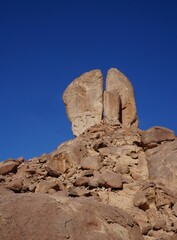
{"x": 113, "y": 181}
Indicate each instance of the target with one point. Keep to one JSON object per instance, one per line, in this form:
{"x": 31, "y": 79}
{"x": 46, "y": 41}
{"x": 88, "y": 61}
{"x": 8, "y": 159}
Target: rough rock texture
{"x": 54, "y": 217}
{"x": 116, "y": 81}
{"x": 84, "y": 101}
{"x": 112, "y": 107}
{"x": 9, "y": 166}
{"x": 107, "y": 168}
{"x": 87, "y": 104}
{"x": 67, "y": 156}
{"x": 155, "y": 135}
{"x": 162, "y": 164}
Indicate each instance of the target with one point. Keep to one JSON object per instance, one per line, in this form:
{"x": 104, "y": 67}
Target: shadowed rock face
{"x": 112, "y": 107}
{"x": 84, "y": 99}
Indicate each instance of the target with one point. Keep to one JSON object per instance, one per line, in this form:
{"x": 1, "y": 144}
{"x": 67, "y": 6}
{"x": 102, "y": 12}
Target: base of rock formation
{"x": 108, "y": 183}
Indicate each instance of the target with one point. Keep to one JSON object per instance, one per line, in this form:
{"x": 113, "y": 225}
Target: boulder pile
{"x": 113, "y": 181}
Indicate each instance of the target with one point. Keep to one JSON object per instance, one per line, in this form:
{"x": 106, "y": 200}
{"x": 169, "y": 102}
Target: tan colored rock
{"x": 91, "y": 162}
{"x": 82, "y": 181}
{"x": 96, "y": 181}
{"x": 174, "y": 237}
{"x": 66, "y": 157}
{"x": 8, "y": 166}
{"x": 155, "y": 135}
{"x": 175, "y": 209}
{"x": 112, "y": 106}
{"x": 162, "y": 164}
{"x": 112, "y": 179}
{"x": 45, "y": 186}
{"x": 16, "y": 185}
{"x": 50, "y": 217}
{"x": 142, "y": 167}
{"x": 141, "y": 201}
{"x": 51, "y": 171}
{"x": 116, "y": 81}
{"x": 83, "y": 99}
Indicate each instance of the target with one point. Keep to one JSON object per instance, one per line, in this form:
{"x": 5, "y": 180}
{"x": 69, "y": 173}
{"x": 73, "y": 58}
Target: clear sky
{"x": 45, "y": 44}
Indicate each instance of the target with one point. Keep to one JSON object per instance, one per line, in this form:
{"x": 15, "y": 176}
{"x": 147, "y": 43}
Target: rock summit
{"x": 88, "y": 104}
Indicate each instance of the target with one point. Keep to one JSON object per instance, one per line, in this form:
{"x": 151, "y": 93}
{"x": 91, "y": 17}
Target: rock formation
{"x": 84, "y": 99}
{"x": 118, "y": 83}
{"x": 113, "y": 181}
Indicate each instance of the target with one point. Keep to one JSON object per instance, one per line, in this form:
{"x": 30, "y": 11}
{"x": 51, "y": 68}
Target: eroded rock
{"x": 162, "y": 164}
{"x": 112, "y": 107}
{"x": 66, "y": 157}
{"x": 117, "y": 82}
{"x": 155, "y": 135}
{"x": 8, "y": 166}
{"x": 87, "y": 104}
{"x": 56, "y": 218}
{"x": 83, "y": 99}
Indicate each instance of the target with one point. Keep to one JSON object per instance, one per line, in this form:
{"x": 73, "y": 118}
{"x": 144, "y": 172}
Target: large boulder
{"x": 66, "y": 157}
{"x": 117, "y": 82}
{"x": 83, "y": 99}
{"x": 155, "y": 135}
{"x": 162, "y": 164}
{"x": 9, "y": 166}
{"x": 43, "y": 217}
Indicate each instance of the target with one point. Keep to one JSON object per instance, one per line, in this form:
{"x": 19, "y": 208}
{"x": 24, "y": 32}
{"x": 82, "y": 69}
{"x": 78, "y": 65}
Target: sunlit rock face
{"x": 87, "y": 104}
{"x": 118, "y": 83}
{"x": 83, "y": 99}
{"x": 113, "y": 181}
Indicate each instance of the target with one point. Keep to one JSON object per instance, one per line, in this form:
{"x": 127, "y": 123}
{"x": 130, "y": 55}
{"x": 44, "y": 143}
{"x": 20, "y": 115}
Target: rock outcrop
{"x": 84, "y": 99}
{"x": 113, "y": 181}
{"x": 53, "y": 217}
{"x": 109, "y": 171}
{"x": 118, "y": 83}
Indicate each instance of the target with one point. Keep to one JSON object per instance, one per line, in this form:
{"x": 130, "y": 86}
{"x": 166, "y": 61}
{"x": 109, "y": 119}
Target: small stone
{"x": 82, "y": 181}
{"x": 96, "y": 181}
{"x": 72, "y": 192}
{"x": 175, "y": 209}
{"x": 88, "y": 173}
{"x": 91, "y": 162}
{"x": 52, "y": 172}
{"x": 16, "y": 185}
{"x": 45, "y": 186}
{"x": 112, "y": 180}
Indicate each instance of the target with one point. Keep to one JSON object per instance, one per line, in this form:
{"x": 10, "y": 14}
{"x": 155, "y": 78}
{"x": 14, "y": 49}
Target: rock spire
{"x": 87, "y": 104}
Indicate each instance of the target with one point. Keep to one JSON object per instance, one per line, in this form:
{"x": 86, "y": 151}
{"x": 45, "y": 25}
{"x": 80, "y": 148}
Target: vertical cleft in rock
{"x": 83, "y": 99}
{"x": 112, "y": 106}
{"x": 119, "y": 83}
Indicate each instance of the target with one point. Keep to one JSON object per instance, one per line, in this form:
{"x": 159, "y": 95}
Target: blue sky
{"x": 45, "y": 44}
